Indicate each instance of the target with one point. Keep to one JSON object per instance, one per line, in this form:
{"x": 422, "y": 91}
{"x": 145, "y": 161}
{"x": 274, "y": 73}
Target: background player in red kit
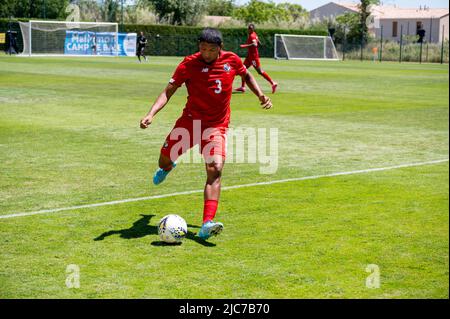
{"x": 253, "y": 58}
{"x": 208, "y": 76}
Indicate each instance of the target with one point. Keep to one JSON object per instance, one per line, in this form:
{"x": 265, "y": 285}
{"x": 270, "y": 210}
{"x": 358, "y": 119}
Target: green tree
{"x": 90, "y": 10}
{"x": 7, "y": 8}
{"x": 354, "y": 25}
{"x": 348, "y": 25}
{"x": 260, "y": 12}
{"x": 220, "y": 7}
{"x": 364, "y": 13}
{"x": 110, "y": 10}
{"x": 48, "y": 9}
{"x": 295, "y": 11}
{"x": 179, "y": 12}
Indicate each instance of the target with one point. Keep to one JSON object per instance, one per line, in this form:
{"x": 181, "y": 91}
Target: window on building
{"x": 394, "y": 29}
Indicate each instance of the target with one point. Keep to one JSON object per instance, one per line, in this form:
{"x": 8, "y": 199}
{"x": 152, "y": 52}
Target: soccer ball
{"x": 172, "y": 229}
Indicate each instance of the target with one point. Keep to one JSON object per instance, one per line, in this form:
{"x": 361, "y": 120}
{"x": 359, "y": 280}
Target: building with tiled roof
{"x": 395, "y": 21}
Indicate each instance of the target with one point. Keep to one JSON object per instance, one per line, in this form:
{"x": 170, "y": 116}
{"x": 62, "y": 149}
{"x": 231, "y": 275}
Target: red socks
{"x": 209, "y": 210}
{"x": 267, "y": 77}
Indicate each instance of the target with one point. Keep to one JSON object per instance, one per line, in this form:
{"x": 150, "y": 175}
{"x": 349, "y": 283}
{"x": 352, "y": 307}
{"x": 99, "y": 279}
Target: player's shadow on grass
{"x": 142, "y": 228}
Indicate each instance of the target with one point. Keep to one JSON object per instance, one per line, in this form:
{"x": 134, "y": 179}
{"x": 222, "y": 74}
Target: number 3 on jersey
{"x": 219, "y": 87}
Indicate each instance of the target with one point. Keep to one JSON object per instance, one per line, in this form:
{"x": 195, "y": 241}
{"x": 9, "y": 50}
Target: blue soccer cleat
{"x": 160, "y": 174}
{"x": 209, "y": 229}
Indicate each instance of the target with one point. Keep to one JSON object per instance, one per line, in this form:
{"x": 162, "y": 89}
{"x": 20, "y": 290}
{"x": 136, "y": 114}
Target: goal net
{"x": 303, "y": 47}
{"x": 69, "y": 38}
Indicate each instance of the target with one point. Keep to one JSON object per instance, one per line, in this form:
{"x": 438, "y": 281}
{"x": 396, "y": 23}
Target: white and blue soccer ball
{"x": 172, "y": 229}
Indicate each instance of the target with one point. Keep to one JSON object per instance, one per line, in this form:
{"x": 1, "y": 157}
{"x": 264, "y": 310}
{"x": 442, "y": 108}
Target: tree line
{"x": 352, "y": 26}
{"x": 174, "y": 12}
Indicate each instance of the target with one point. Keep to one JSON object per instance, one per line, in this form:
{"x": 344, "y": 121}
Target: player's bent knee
{"x": 214, "y": 170}
{"x": 213, "y": 178}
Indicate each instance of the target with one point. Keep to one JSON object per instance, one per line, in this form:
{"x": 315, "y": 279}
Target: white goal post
{"x": 304, "y": 47}
{"x": 69, "y": 38}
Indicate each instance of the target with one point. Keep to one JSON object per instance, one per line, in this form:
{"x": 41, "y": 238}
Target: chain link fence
{"x": 183, "y": 45}
{"x": 407, "y": 49}
{"x": 172, "y": 44}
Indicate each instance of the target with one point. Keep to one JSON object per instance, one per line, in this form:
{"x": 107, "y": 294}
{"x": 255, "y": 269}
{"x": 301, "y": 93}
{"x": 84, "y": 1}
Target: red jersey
{"x": 209, "y": 86}
{"x": 252, "y": 50}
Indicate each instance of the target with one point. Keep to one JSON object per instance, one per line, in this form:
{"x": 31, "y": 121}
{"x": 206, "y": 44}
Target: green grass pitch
{"x": 69, "y": 136}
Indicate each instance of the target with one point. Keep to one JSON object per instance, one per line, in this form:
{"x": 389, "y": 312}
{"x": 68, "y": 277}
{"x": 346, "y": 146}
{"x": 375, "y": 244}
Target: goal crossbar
{"x": 304, "y": 47}
{"x": 50, "y": 38}
{"x": 74, "y": 22}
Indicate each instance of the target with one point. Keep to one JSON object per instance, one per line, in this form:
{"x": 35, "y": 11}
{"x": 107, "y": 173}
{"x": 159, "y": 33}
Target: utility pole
{"x": 401, "y": 43}
{"x": 344, "y": 42}
{"x": 381, "y": 44}
{"x": 121, "y": 17}
{"x": 442, "y": 46}
{"x": 431, "y": 29}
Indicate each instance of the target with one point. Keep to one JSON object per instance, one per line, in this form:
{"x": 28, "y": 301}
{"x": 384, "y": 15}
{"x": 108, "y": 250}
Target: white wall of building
{"x": 444, "y": 29}
{"x": 433, "y": 20}
{"x": 432, "y": 27}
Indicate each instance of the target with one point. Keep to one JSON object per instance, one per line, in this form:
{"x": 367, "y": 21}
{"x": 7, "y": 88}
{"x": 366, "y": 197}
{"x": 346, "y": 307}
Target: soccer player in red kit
{"x": 208, "y": 76}
{"x": 253, "y": 58}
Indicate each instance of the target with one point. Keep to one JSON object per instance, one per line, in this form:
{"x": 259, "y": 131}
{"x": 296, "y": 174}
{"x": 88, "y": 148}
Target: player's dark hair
{"x": 211, "y": 35}
{"x": 251, "y": 25}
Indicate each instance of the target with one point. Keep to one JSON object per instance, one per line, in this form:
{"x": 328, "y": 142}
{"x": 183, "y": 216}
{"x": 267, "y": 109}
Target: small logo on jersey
{"x": 227, "y": 67}
{"x": 205, "y": 70}
{"x": 166, "y": 144}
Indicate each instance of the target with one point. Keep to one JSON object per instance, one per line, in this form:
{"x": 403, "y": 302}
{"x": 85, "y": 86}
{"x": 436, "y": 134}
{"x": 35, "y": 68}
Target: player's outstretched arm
{"x": 266, "y": 103}
{"x": 253, "y": 44}
{"x": 159, "y": 104}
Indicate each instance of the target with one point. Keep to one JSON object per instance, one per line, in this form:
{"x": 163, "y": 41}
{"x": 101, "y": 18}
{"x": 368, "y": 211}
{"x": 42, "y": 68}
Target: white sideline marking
{"x": 223, "y": 188}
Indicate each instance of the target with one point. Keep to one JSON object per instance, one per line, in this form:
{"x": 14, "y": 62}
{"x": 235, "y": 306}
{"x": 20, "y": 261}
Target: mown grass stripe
{"x": 129, "y": 200}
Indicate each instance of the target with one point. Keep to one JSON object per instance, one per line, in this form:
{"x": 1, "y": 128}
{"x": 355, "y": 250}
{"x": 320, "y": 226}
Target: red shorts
{"x": 187, "y": 133}
{"x": 249, "y": 61}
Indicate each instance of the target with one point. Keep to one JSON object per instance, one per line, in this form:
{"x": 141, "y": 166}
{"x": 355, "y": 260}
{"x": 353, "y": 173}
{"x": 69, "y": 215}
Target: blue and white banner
{"x": 100, "y": 43}
{"x": 127, "y": 44}
{"x": 78, "y": 42}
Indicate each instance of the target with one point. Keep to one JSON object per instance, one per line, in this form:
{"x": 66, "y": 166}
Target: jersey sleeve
{"x": 240, "y": 68}
{"x": 180, "y": 75}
